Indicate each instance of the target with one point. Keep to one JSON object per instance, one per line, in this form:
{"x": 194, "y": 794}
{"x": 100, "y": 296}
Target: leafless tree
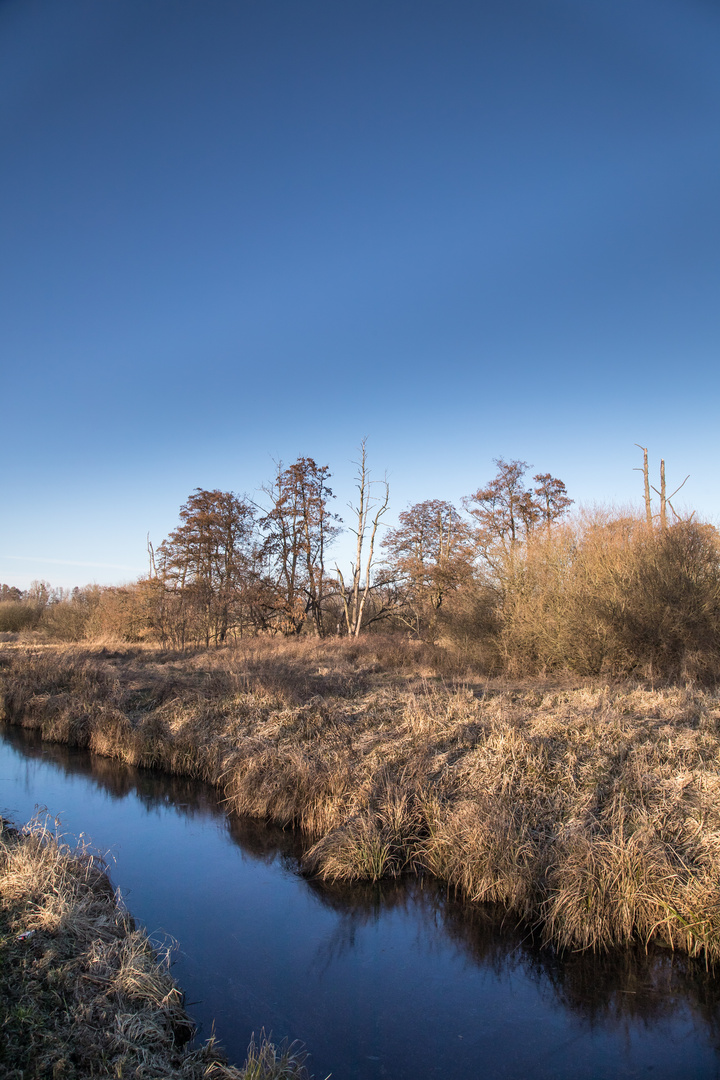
{"x": 646, "y": 485}
{"x": 665, "y": 499}
{"x": 367, "y": 513}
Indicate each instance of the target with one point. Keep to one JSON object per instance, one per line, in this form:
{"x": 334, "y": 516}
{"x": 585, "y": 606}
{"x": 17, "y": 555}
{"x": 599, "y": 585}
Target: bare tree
{"x": 367, "y": 512}
{"x": 665, "y": 499}
{"x": 646, "y": 485}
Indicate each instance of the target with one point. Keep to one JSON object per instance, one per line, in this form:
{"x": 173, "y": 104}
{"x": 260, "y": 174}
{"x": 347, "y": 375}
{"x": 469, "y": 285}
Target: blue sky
{"x": 237, "y": 231}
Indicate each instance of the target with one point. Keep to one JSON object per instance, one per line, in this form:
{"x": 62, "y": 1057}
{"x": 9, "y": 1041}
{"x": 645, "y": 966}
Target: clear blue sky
{"x": 242, "y": 230}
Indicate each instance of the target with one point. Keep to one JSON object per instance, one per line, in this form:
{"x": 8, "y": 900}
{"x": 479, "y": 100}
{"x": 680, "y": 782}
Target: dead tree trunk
{"x": 646, "y": 478}
{"x": 663, "y": 503}
{"x": 355, "y": 600}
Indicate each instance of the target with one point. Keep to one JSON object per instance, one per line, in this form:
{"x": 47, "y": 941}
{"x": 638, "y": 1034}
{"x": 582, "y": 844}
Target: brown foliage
{"x": 609, "y": 595}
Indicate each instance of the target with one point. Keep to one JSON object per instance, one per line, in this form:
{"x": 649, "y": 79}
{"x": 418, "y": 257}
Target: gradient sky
{"x": 237, "y": 231}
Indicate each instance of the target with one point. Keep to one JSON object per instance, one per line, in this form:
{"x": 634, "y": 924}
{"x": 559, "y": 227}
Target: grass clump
{"x": 265, "y": 1061}
{"x": 82, "y": 992}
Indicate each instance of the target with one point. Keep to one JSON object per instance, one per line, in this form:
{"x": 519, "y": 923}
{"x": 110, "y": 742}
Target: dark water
{"x": 396, "y": 982}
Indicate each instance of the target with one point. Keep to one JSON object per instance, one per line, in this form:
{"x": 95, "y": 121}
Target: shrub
{"x": 609, "y": 595}
{"x": 16, "y": 616}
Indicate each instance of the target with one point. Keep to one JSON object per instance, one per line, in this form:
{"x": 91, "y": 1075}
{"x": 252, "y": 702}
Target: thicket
{"x": 511, "y": 584}
{"x": 601, "y": 595}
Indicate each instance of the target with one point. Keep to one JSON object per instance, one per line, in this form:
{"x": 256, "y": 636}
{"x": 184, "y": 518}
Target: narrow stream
{"x": 393, "y": 981}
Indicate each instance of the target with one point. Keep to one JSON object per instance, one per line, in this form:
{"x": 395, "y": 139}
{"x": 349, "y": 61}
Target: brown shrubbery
{"x": 610, "y": 596}
{"x": 17, "y": 615}
{"x": 602, "y": 594}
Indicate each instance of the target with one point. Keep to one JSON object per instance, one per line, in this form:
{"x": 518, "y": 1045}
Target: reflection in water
{"x": 637, "y": 985}
{"x": 377, "y": 943}
{"x": 116, "y": 778}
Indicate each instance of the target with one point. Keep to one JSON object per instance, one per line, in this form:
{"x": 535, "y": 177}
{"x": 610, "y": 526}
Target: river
{"x": 395, "y": 980}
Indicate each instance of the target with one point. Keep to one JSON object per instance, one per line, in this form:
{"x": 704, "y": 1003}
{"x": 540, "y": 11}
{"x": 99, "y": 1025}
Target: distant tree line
{"x": 510, "y": 581}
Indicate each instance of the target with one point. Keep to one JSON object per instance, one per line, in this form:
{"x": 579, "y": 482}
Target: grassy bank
{"x": 591, "y": 811}
{"x": 82, "y": 992}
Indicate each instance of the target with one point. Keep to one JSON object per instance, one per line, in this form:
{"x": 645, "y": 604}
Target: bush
{"x": 16, "y": 616}
{"x": 664, "y": 609}
{"x": 120, "y": 614}
{"x": 64, "y": 621}
{"x": 611, "y": 596}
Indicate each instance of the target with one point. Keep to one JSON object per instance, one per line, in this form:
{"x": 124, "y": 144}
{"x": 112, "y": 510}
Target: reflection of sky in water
{"x": 395, "y": 982}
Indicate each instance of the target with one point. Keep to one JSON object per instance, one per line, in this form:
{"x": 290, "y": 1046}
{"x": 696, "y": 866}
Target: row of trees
{"x": 64, "y": 614}
{"x": 510, "y": 580}
{"x": 233, "y": 566}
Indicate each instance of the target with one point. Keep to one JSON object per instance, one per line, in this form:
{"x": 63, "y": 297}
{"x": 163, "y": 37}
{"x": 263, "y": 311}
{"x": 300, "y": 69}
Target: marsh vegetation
{"x": 513, "y": 584}
{"x": 590, "y": 811}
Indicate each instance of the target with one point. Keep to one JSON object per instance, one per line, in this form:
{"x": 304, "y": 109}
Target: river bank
{"x": 82, "y": 990}
{"x": 590, "y": 811}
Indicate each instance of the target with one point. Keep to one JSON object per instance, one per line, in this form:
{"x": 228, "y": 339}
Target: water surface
{"x": 393, "y": 981}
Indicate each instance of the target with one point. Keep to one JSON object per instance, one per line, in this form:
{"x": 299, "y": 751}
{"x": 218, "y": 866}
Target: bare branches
{"x": 368, "y": 513}
{"x": 646, "y": 480}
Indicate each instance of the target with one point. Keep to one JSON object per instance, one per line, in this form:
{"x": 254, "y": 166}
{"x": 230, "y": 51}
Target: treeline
{"x": 510, "y": 582}
{"x": 91, "y": 612}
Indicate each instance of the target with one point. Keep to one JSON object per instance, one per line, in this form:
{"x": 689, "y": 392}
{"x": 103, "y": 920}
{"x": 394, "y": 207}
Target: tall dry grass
{"x": 590, "y": 811}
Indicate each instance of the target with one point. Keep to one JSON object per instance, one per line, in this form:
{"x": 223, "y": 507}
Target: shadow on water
{"x": 116, "y": 778}
{"x": 646, "y": 985}
{"x": 627, "y": 996}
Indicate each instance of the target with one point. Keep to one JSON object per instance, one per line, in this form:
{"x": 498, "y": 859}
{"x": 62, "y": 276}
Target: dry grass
{"x": 590, "y": 811}
{"x": 82, "y": 992}
{"x": 284, "y": 1062}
